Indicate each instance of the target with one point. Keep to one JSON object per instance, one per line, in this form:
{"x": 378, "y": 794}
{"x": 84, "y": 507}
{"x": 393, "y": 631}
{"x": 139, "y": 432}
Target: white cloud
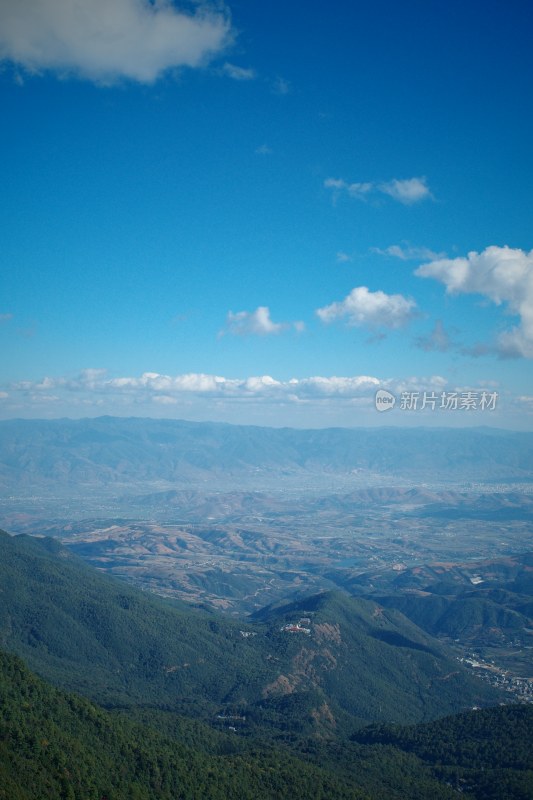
{"x": 258, "y": 385}
{"x": 335, "y": 183}
{"x": 168, "y": 389}
{"x": 502, "y": 274}
{"x": 105, "y": 40}
{"x": 264, "y": 150}
{"x": 408, "y": 191}
{"x": 256, "y": 323}
{"x": 5, "y": 317}
{"x": 363, "y": 308}
{"x": 154, "y": 382}
{"x": 407, "y": 252}
{"x": 238, "y": 73}
{"x": 335, "y": 386}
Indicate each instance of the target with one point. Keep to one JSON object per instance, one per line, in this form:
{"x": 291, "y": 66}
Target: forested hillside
{"x": 91, "y": 633}
{"x": 55, "y": 746}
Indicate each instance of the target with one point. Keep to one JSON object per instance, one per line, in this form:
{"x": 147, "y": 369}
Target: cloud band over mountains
{"x": 94, "y": 391}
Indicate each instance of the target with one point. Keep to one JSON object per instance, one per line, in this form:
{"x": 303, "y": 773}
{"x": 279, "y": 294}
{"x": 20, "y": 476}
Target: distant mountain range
{"x": 192, "y": 505}
{"x": 135, "y": 455}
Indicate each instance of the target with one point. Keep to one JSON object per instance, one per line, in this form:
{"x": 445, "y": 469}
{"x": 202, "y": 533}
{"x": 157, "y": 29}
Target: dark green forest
{"x": 59, "y": 745}
{"x": 107, "y": 692}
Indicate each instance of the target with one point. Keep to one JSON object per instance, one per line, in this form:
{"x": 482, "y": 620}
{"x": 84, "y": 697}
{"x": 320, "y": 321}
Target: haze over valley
{"x": 161, "y": 505}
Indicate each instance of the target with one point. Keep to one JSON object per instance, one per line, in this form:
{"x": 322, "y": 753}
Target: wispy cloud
{"x": 106, "y": 40}
{"x": 343, "y": 258}
{"x": 256, "y": 323}
{"x": 503, "y": 275}
{"x": 363, "y": 308}
{"x": 263, "y": 150}
{"x": 408, "y": 252}
{"x": 27, "y": 333}
{"x": 438, "y": 340}
{"x": 5, "y": 318}
{"x": 359, "y": 190}
{"x": 280, "y": 86}
{"x": 239, "y": 73}
{"x": 408, "y": 191}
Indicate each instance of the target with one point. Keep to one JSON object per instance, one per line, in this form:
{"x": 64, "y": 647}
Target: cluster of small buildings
{"x": 297, "y": 627}
{"x": 521, "y": 688}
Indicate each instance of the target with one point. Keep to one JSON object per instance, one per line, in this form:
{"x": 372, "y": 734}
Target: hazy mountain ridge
{"x": 132, "y": 452}
{"x": 231, "y": 506}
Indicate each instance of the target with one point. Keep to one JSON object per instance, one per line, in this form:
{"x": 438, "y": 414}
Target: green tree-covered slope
{"x": 89, "y": 633}
{"x": 62, "y": 747}
{"x": 486, "y": 754}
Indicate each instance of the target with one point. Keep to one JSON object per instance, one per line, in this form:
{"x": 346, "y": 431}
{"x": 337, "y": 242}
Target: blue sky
{"x": 265, "y": 212}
